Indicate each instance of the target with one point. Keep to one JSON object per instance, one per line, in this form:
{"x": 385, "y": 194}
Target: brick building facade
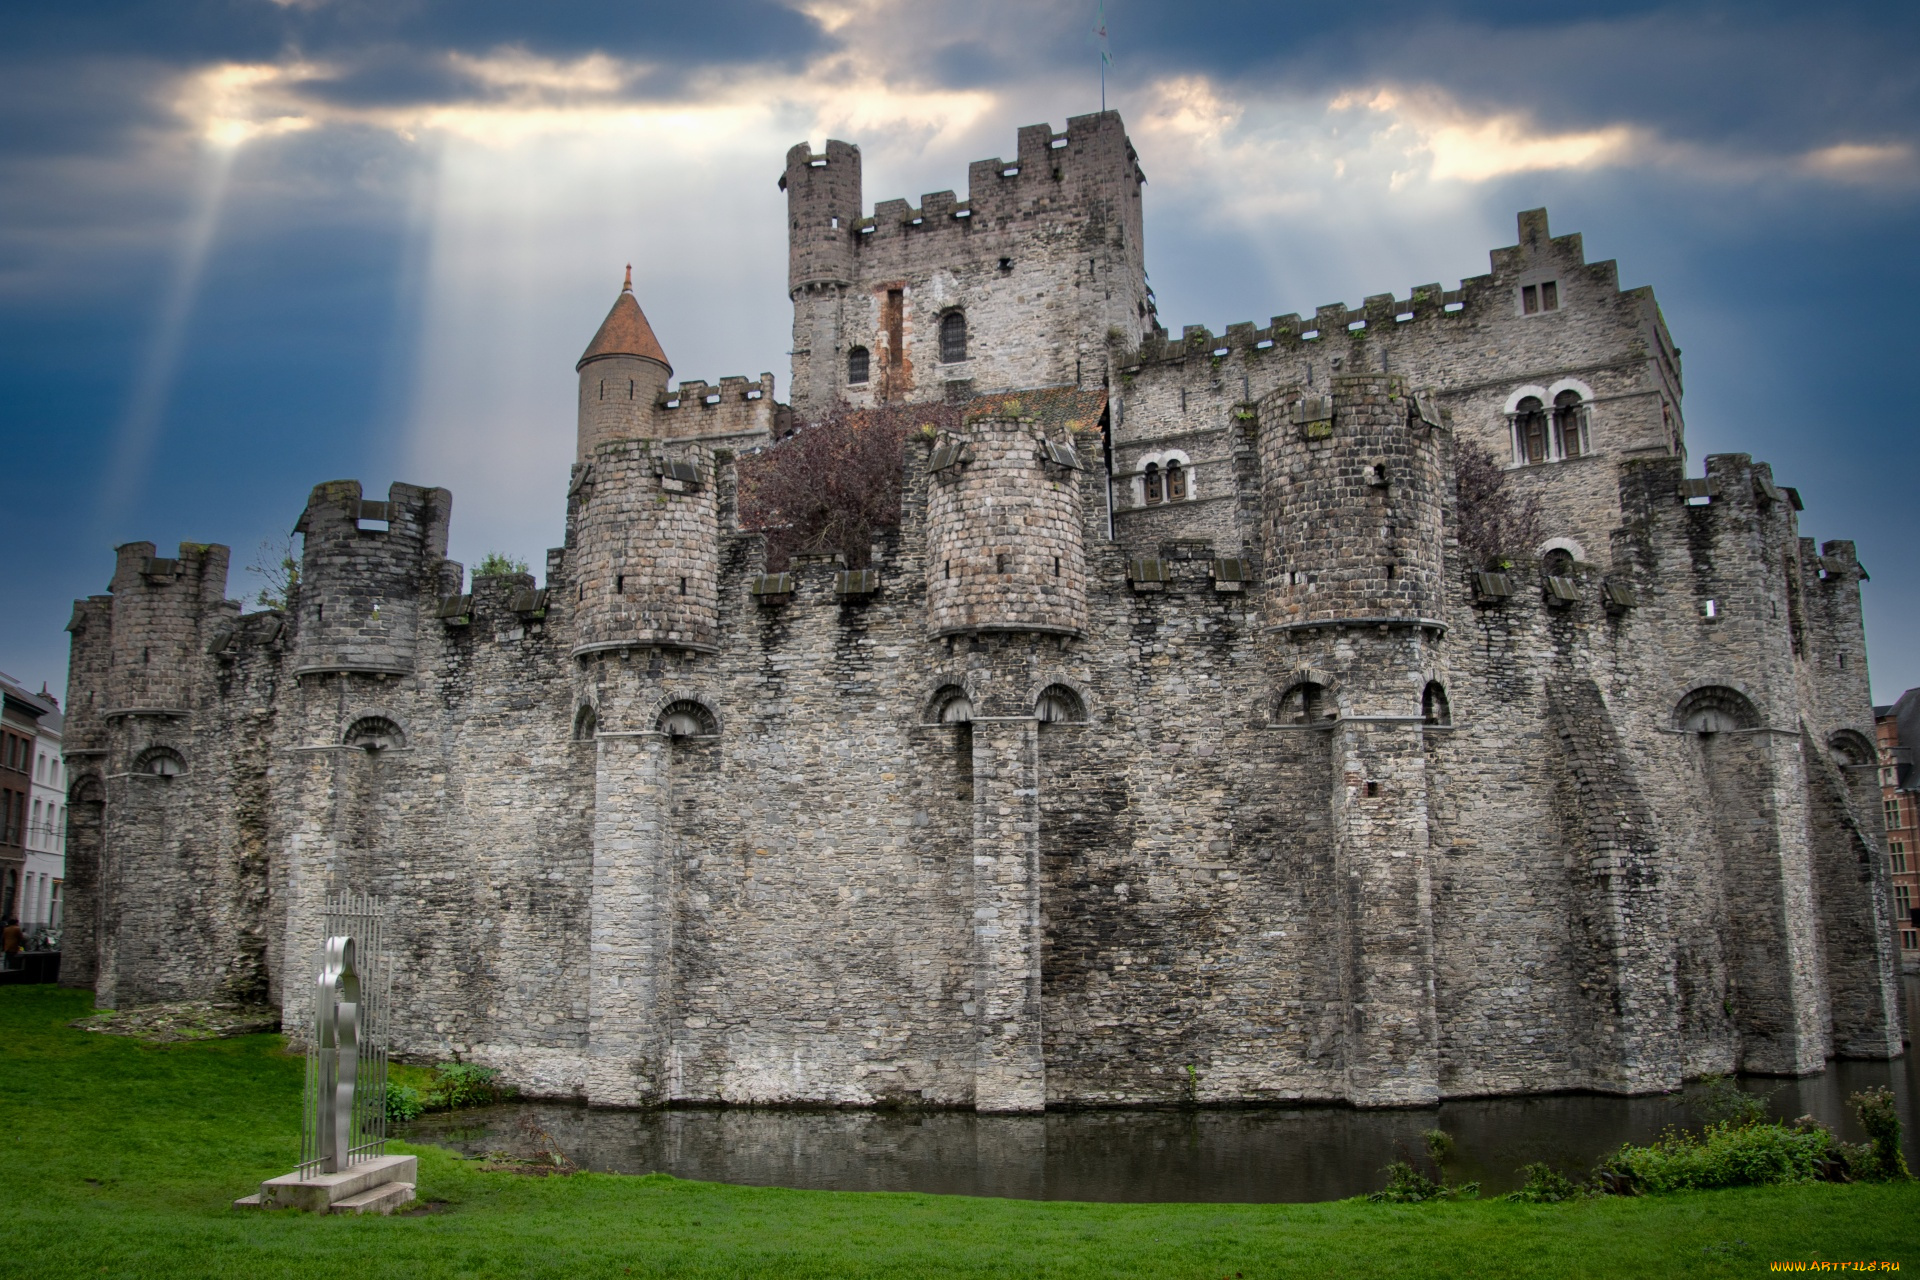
{"x": 1171, "y": 748}
{"x": 1897, "y": 730}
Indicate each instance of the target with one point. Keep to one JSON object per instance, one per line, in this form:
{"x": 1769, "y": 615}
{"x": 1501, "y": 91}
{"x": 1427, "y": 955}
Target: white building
{"x": 46, "y": 843}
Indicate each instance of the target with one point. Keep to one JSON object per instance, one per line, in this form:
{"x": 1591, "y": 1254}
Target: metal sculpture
{"x": 345, "y": 1116}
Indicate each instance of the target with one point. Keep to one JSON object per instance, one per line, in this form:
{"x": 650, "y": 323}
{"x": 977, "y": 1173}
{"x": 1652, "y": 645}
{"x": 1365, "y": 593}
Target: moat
{"x": 1249, "y": 1155}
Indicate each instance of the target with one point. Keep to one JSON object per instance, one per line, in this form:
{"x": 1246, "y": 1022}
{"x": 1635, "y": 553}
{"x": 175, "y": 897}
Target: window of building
{"x": 1154, "y": 492}
{"x": 1892, "y": 804}
{"x": 687, "y": 718}
{"x": 1301, "y": 704}
{"x": 1434, "y": 708}
{"x": 1530, "y": 441}
{"x": 1176, "y": 481}
{"x": 160, "y": 762}
{"x": 1570, "y": 424}
{"x": 1903, "y": 899}
{"x": 857, "y": 366}
{"x": 953, "y": 337}
{"x": 1557, "y": 563}
{"x": 375, "y": 733}
{"x": 1897, "y": 853}
{"x": 1536, "y": 298}
{"x": 1059, "y": 704}
{"x": 1910, "y": 939}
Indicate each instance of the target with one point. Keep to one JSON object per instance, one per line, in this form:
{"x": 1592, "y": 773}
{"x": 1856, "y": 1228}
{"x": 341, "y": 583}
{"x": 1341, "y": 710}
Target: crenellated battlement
{"x": 366, "y": 566}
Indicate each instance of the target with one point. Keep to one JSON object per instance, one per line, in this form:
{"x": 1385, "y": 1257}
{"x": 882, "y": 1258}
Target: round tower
{"x": 1005, "y": 546}
{"x": 1351, "y": 497}
{"x": 157, "y": 613}
{"x": 645, "y": 564}
{"x": 823, "y": 208}
{"x": 365, "y": 568}
{"x": 622, "y": 373}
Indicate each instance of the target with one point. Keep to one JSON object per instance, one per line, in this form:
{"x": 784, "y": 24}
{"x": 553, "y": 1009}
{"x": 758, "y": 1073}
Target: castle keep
{"x": 1175, "y": 747}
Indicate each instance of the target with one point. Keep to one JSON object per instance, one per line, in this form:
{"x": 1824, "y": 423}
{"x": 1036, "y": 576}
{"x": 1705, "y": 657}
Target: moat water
{"x": 1248, "y": 1155}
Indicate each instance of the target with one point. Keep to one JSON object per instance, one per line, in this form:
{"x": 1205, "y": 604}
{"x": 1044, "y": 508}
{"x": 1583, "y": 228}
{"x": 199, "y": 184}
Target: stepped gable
{"x": 625, "y": 332}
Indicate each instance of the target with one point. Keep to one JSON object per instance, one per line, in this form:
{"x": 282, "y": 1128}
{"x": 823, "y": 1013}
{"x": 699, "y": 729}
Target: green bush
{"x": 494, "y": 564}
{"x": 1880, "y": 1159}
{"x": 1726, "y": 1154}
{"x": 461, "y": 1084}
{"x": 403, "y": 1103}
{"x": 1407, "y": 1185}
{"x": 1545, "y": 1185}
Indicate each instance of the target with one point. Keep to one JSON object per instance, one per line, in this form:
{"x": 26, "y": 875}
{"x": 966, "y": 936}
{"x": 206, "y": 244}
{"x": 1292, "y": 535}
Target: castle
{"x": 1174, "y": 748}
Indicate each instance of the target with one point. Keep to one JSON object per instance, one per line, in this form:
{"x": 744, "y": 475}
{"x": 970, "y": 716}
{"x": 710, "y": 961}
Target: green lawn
{"x": 120, "y": 1159}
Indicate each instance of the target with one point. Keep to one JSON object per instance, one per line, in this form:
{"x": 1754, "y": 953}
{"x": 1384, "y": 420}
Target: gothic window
{"x": 687, "y": 719}
{"x": 952, "y": 706}
{"x": 1301, "y": 704}
{"x": 857, "y": 366}
{"x": 1434, "y": 708}
{"x": 1715, "y": 709}
{"x": 953, "y": 337}
{"x": 1530, "y": 431}
{"x": 375, "y": 733}
{"x": 1176, "y": 481}
{"x": 160, "y": 762}
{"x": 1058, "y": 704}
{"x": 585, "y": 724}
{"x": 1152, "y": 482}
{"x": 1570, "y": 424}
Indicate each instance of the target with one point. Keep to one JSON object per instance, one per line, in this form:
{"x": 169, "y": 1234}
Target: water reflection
{"x": 1293, "y": 1154}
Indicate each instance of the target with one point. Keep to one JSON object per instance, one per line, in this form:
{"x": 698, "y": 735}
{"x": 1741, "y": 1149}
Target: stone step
{"x": 383, "y": 1199}
{"x": 319, "y": 1193}
{"x": 248, "y": 1202}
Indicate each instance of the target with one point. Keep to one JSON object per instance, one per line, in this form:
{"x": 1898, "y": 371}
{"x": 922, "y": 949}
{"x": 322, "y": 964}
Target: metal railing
{"x": 344, "y": 1106}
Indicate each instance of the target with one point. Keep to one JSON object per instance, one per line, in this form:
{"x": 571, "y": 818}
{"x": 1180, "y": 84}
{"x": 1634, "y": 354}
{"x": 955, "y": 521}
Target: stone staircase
{"x": 380, "y": 1185}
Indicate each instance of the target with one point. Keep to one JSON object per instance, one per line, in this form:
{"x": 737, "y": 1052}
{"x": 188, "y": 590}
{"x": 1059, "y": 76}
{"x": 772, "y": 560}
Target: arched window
{"x": 1434, "y": 708}
{"x": 857, "y": 366}
{"x": 952, "y": 706}
{"x": 1530, "y": 443}
{"x": 160, "y": 762}
{"x": 1058, "y": 704}
{"x": 1152, "y": 482}
{"x": 586, "y": 722}
{"x": 687, "y": 719}
{"x": 1176, "y": 481}
{"x": 1557, "y": 563}
{"x": 1570, "y": 424}
{"x": 1301, "y": 704}
{"x": 375, "y": 733}
{"x": 953, "y": 337}
{"x": 1714, "y": 709}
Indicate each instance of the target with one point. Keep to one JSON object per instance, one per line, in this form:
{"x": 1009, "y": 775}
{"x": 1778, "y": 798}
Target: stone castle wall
{"x": 1100, "y": 819}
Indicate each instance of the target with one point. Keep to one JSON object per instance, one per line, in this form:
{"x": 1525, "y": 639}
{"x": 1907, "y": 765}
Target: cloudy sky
{"x": 249, "y": 245}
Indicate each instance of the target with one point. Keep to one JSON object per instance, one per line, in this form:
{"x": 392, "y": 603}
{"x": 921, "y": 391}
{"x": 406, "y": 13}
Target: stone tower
{"x": 1019, "y": 285}
{"x": 365, "y": 569}
{"x": 644, "y": 557}
{"x": 1352, "y": 528}
{"x": 623, "y": 373}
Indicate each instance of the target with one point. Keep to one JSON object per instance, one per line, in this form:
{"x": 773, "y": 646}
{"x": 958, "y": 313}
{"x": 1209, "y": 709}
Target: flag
{"x": 1100, "y": 36}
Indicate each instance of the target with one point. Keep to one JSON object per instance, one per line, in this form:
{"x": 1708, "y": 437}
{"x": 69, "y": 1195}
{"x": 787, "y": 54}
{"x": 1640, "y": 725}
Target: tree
{"x": 494, "y": 564}
{"x": 832, "y": 485}
{"x": 279, "y": 571}
{"x": 1491, "y": 523}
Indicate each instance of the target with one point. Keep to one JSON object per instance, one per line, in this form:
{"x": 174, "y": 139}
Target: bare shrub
{"x": 832, "y": 485}
{"x": 1491, "y": 522}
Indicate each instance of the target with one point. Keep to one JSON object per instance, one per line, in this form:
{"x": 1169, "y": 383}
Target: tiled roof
{"x": 1070, "y": 407}
{"x": 625, "y": 332}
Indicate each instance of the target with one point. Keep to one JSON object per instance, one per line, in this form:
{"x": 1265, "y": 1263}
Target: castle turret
{"x": 159, "y": 608}
{"x": 365, "y": 568}
{"x": 623, "y": 373}
{"x": 823, "y": 208}
{"x": 1352, "y": 504}
{"x": 1005, "y": 547}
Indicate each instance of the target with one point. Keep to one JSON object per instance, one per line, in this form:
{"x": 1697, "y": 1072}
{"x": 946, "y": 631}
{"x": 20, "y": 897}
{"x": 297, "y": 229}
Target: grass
{"x": 120, "y": 1159}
